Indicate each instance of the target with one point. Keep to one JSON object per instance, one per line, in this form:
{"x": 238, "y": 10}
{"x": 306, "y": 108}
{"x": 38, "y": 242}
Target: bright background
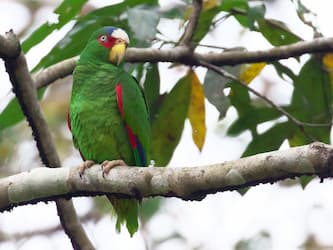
{"x": 278, "y": 216}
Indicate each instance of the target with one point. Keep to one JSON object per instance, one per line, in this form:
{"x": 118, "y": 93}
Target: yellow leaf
{"x": 209, "y": 4}
{"x": 206, "y": 5}
{"x": 249, "y": 72}
{"x": 328, "y": 63}
{"x": 196, "y": 113}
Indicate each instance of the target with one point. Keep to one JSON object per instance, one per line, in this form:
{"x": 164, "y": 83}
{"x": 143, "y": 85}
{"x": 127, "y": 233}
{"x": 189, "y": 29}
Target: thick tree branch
{"x": 188, "y": 183}
{"x": 25, "y": 91}
{"x": 55, "y": 72}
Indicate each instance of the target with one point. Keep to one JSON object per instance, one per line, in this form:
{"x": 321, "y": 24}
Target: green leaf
{"x": 305, "y": 180}
{"x": 236, "y": 8}
{"x": 149, "y": 207}
{"x": 75, "y": 40}
{"x": 228, "y": 5}
{"x": 143, "y": 22}
{"x": 276, "y": 32}
{"x": 12, "y": 114}
{"x": 269, "y": 140}
{"x": 283, "y": 70}
{"x": 205, "y": 21}
{"x": 311, "y": 102}
{"x": 151, "y": 88}
{"x": 252, "y": 119}
{"x": 66, "y": 11}
{"x": 253, "y": 14}
{"x": 213, "y": 87}
{"x": 169, "y": 121}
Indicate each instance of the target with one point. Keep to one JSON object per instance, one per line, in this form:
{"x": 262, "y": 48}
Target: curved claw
{"x": 86, "y": 164}
{"x": 107, "y": 165}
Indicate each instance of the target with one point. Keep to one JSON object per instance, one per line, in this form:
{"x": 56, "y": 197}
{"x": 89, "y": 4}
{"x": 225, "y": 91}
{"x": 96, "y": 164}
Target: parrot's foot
{"x": 107, "y": 165}
{"x": 84, "y": 166}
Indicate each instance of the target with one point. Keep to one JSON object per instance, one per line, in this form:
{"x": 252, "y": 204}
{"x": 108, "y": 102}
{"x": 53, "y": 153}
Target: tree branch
{"x": 188, "y": 183}
{"x": 192, "y": 24}
{"x": 180, "y": 54}
{"x": 176, "y": 54}
{"x": 25, "y": 91}
{"x": 55, "y": 72}
{"x": 232, "y": 77}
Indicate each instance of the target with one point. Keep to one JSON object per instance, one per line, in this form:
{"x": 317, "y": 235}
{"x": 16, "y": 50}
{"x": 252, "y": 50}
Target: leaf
{"x": 151, "y": 89}
{"x": 12, "y": 114}
{"x": 305, "y": 180}
{"x": 238, "y": 9}
{"x": 276, "y": 32}
{"x": 75, "y": 40}
{"x": 196, "y": 112}
{"x": 213, "y": 87}
{"x": 328, "y": 63}
{"x": 269, "y": 140}
{"x": 143, "y": 22}
{"x": 252, "y": 119}
{"x": 283, "y": 70}
{"x": 228, "y": 5}
{"x": 311, "y": 102}
{"x": 253, "y": 14}
{"x": 66, "y": 11}
{"x": 205, "y": 21}
{"x": 149, "y": 207}
{"x": 251, "y": 71}
{"x": 209, "y": 4}
{"x": 169, "y": 121}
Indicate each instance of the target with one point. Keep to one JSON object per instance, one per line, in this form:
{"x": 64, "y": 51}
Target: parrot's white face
{"x": 116, "y": 41}
{"x": 120, "y": 34}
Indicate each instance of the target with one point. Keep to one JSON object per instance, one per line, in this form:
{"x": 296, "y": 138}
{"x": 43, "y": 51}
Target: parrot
{"x": 108, "y": 115}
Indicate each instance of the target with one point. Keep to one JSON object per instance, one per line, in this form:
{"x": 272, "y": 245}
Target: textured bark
{"x": 25, "y": 91}
{"x": 188, "y": 183}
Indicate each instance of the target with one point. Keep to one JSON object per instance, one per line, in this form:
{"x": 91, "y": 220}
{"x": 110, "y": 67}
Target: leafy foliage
{"x": 168, "y": 124}
{"x": 311, "y": 100}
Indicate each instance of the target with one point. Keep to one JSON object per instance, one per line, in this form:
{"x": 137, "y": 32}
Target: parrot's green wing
{"x": 133, "y": 110}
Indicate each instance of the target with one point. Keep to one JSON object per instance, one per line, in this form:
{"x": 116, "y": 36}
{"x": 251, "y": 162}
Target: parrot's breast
{"x": 97, "y": 127}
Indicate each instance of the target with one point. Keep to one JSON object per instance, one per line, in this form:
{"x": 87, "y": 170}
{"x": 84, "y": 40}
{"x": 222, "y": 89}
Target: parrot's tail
{"x": 127, "y": 212}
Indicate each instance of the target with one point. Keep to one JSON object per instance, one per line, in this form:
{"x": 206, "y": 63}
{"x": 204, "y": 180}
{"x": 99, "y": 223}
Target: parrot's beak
{"x": 117, "y": 52}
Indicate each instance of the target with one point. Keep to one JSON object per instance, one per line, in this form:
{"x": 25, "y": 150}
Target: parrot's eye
{"x": 103, "y": 38}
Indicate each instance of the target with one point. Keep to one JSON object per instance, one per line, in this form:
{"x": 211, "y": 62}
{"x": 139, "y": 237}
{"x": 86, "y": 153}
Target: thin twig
{"x": 267, "y": 100}
{"x": 192, "y": 24}
{"x": 25, "y": 91}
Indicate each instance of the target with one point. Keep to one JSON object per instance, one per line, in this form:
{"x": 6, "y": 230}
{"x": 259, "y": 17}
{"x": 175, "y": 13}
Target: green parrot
{"x": 108, "y": 115}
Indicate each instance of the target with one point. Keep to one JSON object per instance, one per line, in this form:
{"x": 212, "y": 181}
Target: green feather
{"x": 97, "y": 127}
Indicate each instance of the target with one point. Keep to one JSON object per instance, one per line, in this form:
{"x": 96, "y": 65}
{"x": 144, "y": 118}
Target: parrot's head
{"x": 107, "y": 44}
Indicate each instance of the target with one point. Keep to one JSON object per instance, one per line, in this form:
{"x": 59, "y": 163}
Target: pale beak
{"x": 117, "y": 52}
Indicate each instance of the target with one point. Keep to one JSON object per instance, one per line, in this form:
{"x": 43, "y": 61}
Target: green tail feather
{"x": 127, "y": 212}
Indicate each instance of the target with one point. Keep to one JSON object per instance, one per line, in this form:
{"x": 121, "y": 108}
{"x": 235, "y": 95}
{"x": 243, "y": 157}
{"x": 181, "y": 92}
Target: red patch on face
{"x": 106, "y": 41}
